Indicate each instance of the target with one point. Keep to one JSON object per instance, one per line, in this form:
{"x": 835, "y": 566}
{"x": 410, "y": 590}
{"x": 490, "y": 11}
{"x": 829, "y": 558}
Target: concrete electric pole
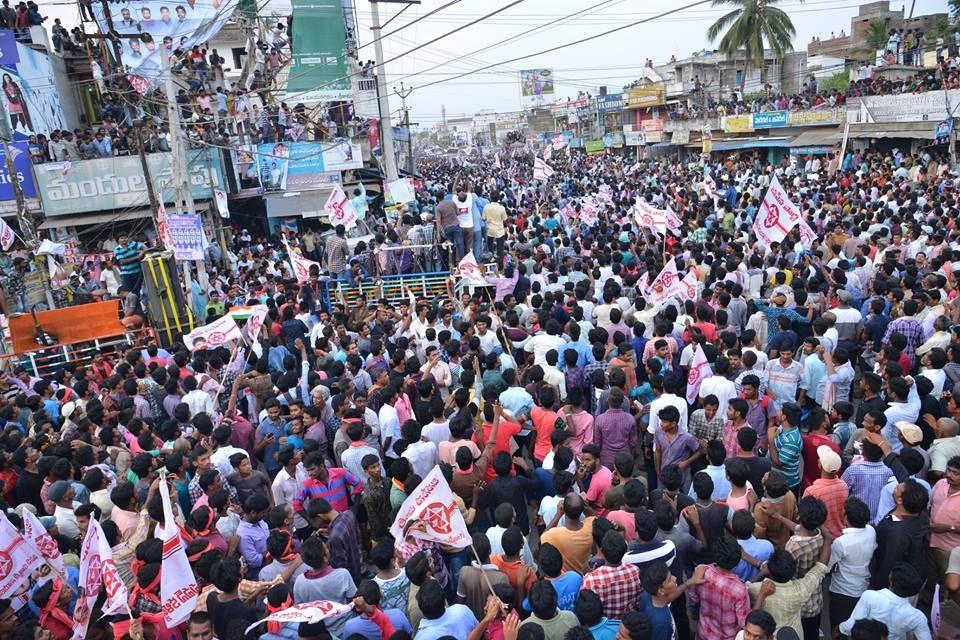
{"x": 386, "y": 128}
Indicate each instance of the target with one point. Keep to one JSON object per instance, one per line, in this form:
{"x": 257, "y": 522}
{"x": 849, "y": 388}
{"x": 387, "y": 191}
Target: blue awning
{"x": 750, "y": 143}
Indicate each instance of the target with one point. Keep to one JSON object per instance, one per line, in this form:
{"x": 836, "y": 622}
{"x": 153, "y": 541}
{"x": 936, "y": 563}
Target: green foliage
{"x": 752, "y": 26}
{"x": 839, "y": 81}
{"x": 876, "y": 35}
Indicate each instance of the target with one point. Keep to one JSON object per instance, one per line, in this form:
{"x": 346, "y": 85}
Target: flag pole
{"x": 486, "y": 578}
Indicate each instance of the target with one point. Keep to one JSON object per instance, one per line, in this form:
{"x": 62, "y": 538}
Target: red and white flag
{"x": 300, "y": 265}
{"x": 589, "y": 212}
{"x": 689, "y": 286}
{"x": 432, "y": 503}
{"x": 340, "y": 210}
{"x": 309, "y": 612}
{"x": 699, "y": 371}
{"x": 37, "y": 535}
{"x": 88, "y": 584}
{"x": 496, "y": 161}
{"x": 665, "y": 285}
{"x": 7, "y": 236}
{"x": 808, "y": 237}
{"x": 559, "y": 142}
{"x": 215, "y": 334}
{"x": 649, "y": 217}
{"x": 178, "y": 588}
{"x": 776, "y": 216}
{"x": 541, "y": 170}
{"x": 674, "y": 224}
{"x": 470, "y": 270}
{"x": 547, "y": 152}
{"x": 18, "y": 558}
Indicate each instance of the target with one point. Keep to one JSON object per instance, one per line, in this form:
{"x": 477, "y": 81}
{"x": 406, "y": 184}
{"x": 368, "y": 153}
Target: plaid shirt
{"x": 698, "y": 235}
{"x": 866, "y": 480}
{"x": 911, "y": 330}
{"x": 343, "y": 540}
{"x": 704, "y": 429}
{"x": 618, "y": 588}
{"x": 407, "y": 548}
{"x": 833, "y": 493}
{"x": 806, "y": 550}
{"x": 724, "y": 605}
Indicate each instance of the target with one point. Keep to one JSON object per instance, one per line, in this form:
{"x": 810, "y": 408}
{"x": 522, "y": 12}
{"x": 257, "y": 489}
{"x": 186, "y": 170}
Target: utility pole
{"x": 151, "y": 192}
{"x": 386, "y": 128}
{"x": 403, "y": 93}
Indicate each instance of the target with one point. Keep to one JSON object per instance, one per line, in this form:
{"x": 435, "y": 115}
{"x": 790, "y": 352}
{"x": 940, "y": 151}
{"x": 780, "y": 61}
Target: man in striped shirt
{"x": 127, "y": 254}
{"x": 787, "y": 444}
{"x": 333, "y": 485}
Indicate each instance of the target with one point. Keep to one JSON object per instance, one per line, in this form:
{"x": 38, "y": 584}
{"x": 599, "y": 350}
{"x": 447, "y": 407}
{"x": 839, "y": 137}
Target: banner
{"x": 301, "y": 266}
{"x": 648, "y": 216}
{"x": 215, "y": 334}
{"x": 186, "y": 236}
{"x": 7, "y": 235}
{"x": 808, "y": 238}
{"x": 769, "y": 119}
{"x": 432, "y": 504}
{"x": 340, "y": 210}
{"x": 699, "y": 371}
{"x": 689, "y": 286}
{"x": 634, "y": 138}
{"x": 223, "y": 207}
{"x": 8, "y": 47}
{"x": 31, "y": 99}
{"x": 168, "y": 26}
{"x": 541, "y": 170}
{"x": 400, "y": 191}
{"x": 88, "y": 586}
{"x": 309, "y": 612}
{"x": 737, "y": 124}
{"x": 674, "y": 224}
{"x": 664, "y": 285}
{"x": 305, "y": 166}
{"x": 318, "y": 68}
{"x": 37, "y": 535}
{"x": 163, "y": 228}
{"x": 20, "y": 153}
{"x": 589, "y": 213}
{"x": 547, "y": 152}
{"x": 178, "y": 588}
{"x": 776, "y": 216}
{"x": 251, "y": 330}
{"x": 18, "y": 558}
{"x": 594, "y": 146}
{"x": 536, "y": 82}
{"x": 470, "y": 270}
{"x": 646, "y": 96}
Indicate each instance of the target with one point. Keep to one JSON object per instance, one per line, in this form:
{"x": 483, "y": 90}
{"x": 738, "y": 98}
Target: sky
{"x": 612, "y": 60}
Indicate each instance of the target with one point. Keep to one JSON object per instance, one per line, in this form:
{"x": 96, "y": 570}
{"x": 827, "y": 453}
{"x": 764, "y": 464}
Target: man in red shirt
{"x": 505, "y": 432}
{"x": 819, "y": 436}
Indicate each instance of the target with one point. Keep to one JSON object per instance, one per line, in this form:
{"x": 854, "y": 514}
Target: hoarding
{"x": 302, "y": 166}
{"x": 31, "y": 102}
{"x": 318, "y": 68}
{"x": 536, "y": 82}
{"x": 645, "y": 97}
{"x": 611, "y": 103}
{"x": 769, "y": 119}
{"x": 737, "y": 124}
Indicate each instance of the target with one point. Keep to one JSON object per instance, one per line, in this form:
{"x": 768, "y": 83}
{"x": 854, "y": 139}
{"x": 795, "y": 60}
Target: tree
{"x": 876, "y": 35}
{"x": 955, "y": 9}
{"x": 752, "y": 26}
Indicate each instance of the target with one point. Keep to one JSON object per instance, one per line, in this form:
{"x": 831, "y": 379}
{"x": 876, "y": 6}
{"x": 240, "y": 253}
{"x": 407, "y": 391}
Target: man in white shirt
{"x": 851, "y": 554}
{"x": 892, "y": 606}
{"x": 488, "y": 339}
{"x": 285, "y": 485}
{"x": 198, "y": 400}
{"x": 539, "y": 344}
{"x": 389, "y": 423}
{"x": 439, "y": 369}
{"x": 422, "y": 454}
{"x": 552, "y": 375}
{"x": 718, "y": 385}
{"x": 668, "y": 396}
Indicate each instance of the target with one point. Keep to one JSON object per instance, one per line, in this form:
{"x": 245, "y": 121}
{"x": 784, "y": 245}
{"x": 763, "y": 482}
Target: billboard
{"x": 769, "y": 119}
{"x": 20, "y": 152}
{"x": 650, "y": 96}
{"x": 611, "y": 103}
{"x": 302, "y": 166}
{"x": 318, "y": 68}
{"x": 164, "y": 25}
{"x": 104, "y": 184}
{"x": 536, "y": 82}
{"x": 31, "y": 102}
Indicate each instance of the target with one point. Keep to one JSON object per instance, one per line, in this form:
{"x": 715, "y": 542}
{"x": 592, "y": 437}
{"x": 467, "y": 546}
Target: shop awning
{"x": 85, "y": 220}
{"x": 750, "y": 143}
{"x": 905, "y": 130}
{"x": 817, "y": 138}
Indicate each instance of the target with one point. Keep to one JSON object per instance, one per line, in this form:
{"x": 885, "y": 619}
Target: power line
{"x": 409, "y": 24}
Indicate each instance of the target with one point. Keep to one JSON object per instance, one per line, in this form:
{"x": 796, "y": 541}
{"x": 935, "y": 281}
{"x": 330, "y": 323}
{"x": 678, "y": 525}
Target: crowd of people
{"x": 776, "y": 455}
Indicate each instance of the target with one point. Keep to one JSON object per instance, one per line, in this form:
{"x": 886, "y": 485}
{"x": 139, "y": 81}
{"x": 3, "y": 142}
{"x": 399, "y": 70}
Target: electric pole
{"x": 386, "y": 128}
{"x": 403, "y": 93}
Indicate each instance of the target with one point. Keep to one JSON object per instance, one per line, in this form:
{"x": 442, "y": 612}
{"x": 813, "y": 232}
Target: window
{"x": 238, "y": 54}
{"x": 739, "y": 78}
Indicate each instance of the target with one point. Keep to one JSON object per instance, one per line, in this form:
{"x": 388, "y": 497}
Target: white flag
{"x": 776, "y": 216}
{"x": 163, "y": 228}
{"x": 251, "y": 330}
{"x": 35, "y": 534}
{"x": 547, "y": 152}
{"x": 7, "y": 236}
{"x": 178, "y": 588}
{"x": 559, "y": 142}
{"x": 689, "y": 286}
{"x": 936, "y": 619}
{"x": 496, "y": 161}
{"x": 88, "y": 584}
{"x": 541, "y": 170}
{"x": 18, "y": 558}
{"x": 649, "y": 217}
{"x": 808, "y": 237}
{"x": 699, "y": 371}
{"x": 300, "y": 265}
{"x": 340, "y": 210}
{"x": 432, "y": 504}
{"x": 589, "y": 211}
{"x": 310, "y": 612}
{"x": 470, "y": 270}
{"x": 213, "y": 335}
{"x": 116, "y": 590}
{"x": 223, "y": 207}
{"x": 674, "y": 224}
{"x": 664, "y": 285}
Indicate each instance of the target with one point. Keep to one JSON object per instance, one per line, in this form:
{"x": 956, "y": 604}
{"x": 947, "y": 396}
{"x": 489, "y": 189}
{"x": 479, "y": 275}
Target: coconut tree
{"x": 752, "y": 26}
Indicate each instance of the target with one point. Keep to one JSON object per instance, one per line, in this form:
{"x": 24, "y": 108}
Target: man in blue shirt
{"x": 366, "y": 603}
{"x": 127, "y": 254}
{"x": 271, "y": 429}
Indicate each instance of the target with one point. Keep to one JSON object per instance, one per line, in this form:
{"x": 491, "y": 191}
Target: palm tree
{"x": 876, "y": 35}
{"x": 752, "y": 26}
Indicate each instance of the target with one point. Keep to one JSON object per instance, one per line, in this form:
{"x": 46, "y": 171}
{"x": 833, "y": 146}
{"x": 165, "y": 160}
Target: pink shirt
{"x": 599, "y": 483}
{"x": 581, "y": 425}
{"x": 945, "y": 509}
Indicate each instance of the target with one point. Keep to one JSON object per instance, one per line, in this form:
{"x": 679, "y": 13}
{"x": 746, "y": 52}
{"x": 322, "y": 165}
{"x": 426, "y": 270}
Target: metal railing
{"x": 44, "y": 361}
{"x": 390, "y": 288}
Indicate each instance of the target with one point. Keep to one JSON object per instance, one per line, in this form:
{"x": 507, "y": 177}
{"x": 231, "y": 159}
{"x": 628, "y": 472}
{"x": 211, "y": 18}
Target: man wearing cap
{"x": 371, "y": 621}
{"x": 830, "y": 489}
{"x": 778, "y": 309}
{"x": 61, "y": 494}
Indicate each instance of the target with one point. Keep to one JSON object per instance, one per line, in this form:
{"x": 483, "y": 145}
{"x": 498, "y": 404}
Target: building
{"x": 852, "y": 44}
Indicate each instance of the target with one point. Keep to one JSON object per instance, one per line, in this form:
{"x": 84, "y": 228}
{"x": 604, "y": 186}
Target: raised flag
{"x": 340, "y": 210}
{"x": 776, "y": 216}
{"x": 589, "y": 212}
{"x": 648, "y": 216}
{"x": 309, "y": 612}
{"x": 213, "y": 335}
{"x": 18, "y": 558}
{"x": 178, "y": 588}
{"x": 674, "y": 224}
{"x": 88, "y": 585}
{"x": 689, "y": 286}
{"x": 808, "y": 238}
{"x": 666, "y": 284}
{"x": 541, "y": 170}
{"x": 547, "y": 152}
{"x": 163, "y": 228}
{"x": 470, "y": 270}
{"x": 496, "y": 161}
{"x": 251, "y": 330}
{"x": 433, "y": 505}
{"x": 699, "y": 371}
{"x": 300, "y": 265}
{"x": 37, "y": 535}
{"x": 7, "y": 236}
{"x": 558, "y": 143}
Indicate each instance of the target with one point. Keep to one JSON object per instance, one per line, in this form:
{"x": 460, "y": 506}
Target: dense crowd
{"x": 803, "y": 481}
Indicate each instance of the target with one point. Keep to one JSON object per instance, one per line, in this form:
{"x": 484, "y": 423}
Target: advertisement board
{"x": 737, "y": 124}
{"x": 645, "y": 97}
{"x": 634, "y": 138}
{"x": 812, "y": 117}
{"x": 301, "y": 166}
{"x": 186, "y": 234}
{"x": 769, "y": 119}
{"x": 611, "y": 103}
{"x": 104, "y": 184}
{"x": 655, "y": 124}
{"x": 536, "y": 82}
{"x": 318, "y": 68}
{"x": 163, "y": 27}
{"x": 31, "y": 102}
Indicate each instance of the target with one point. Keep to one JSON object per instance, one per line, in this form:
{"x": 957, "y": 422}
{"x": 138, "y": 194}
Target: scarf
{"x": 52, "y": 617}
{"x": 147, "y": 592}
{"x": 287, "y": 554}
{"x": 197, "y": 555}
{"x": 206, "y": 530}
{"x": 274, "y": 626}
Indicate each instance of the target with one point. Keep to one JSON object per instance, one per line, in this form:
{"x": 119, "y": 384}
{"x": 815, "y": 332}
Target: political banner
{"x": 536, "y": 82}
{"x": 186, "y": 236}
{"x": 223, "y": 206}
{"x": 689, "y": 286}
{"x": 300, "y": 265}
{"x": 309, "y": 612}
{"x": 88, "y": 586}
{"x": 470, "y": 270}
{"x": 433, "y": 507}
{"x": 340, "y": 210}
{"x": 808, "y": 238}
{"x": 305, "y": 166}
{"x": 37, "y": 535}
{"x": 251, "y": 330}
{"x": 674, "y": 224}
{"x": 776, "y": 216}
{"x": 548, "y": 152}
{"x": 178, "y": 588}
{"x": 649, "y": 217}
{"x": 163, "y": 228}
{"x": 400, "y": 191}
{"x": 699, "y": 371}
{"x": 665, "y": 285}
{"x": 31, "y": 98}
{"x": 541, "y": 170}
{"x": 318, "y": 66}
{"x": 18, "y": 558}
{"x": 210, "y": 336}
{"x": 7, "y": 235}
{"x": 589, "y": 212}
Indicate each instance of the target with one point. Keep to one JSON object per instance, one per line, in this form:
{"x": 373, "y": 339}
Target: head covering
{"x": 829, "y": 460}
{"x": 58, "y": 489}
{"x": 67, "y": 410}
{"x": 910, "y": 432}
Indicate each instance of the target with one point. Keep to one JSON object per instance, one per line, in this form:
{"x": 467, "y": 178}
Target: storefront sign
{"x": 737, "y": 124}
{"x": 645, "y": 97}
{"x": 186, "y": 234}
{"x": 653, "y": 137}
{"x": 594, "y": 146}
{"x": 815, "y": 117}
{"x": 916, "y": 107}
{"x": 681, "y": 137}
{"x": 655, "y": 124}
{"x": 634, "y": 138}
{"x": 769, "y": 119}
{"x": 20, "y": 152}
{"x": 104, "y": 184}
{"x": 611, "y": 103}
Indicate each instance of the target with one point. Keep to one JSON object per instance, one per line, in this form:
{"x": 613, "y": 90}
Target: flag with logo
{"x": 88, "y": 586}
{"x": 689, "y": 286}
{"x": 300, "y": 265}
{"x": 37, "y": 535}
{"x": 665, "y": 285}
{"x": 213, "y": 335}
{"x": 808, "y": 238}
{"x": 699, "y": 371}
{"x": 178, "y": 588}
{"x": 649, "y": 217}
{"x": 7, "y": 235}
{"x": 674, "y": 224}
{"x": 589, "y": 212}
{"x": 309, "y": 612}
{"x": 547, "y": 152}
{"x": 251, "y": 330}
{"x": 470, "y": 270}
{"x": 223, "y": 206}
{"x": 776, "y": 216}
{"x": 18, "y": 558}
{"x": 340, "y": 210}
{"x": 559, "y": 142}
{"x": 541, "y": 170}
{"x": 116, "y": 590}
{"x": 433, "y": 506}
